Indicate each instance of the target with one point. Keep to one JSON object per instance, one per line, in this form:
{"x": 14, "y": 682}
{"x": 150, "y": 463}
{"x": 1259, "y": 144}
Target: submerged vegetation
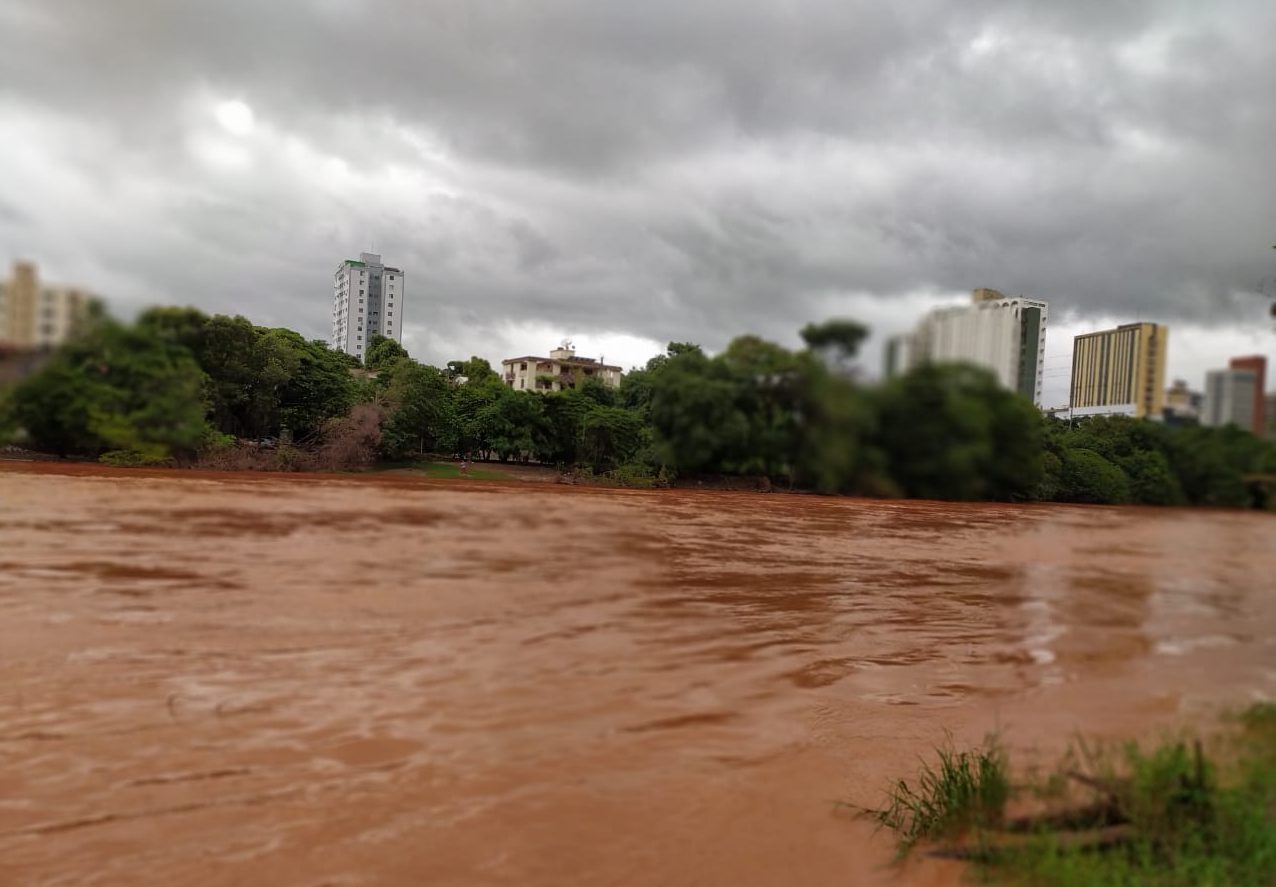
{"x": 1174, "y": 814}
{"x": 182, "y": 387}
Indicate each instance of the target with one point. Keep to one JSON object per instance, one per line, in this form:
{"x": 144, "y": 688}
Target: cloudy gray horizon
{"x": 635, "y": 173}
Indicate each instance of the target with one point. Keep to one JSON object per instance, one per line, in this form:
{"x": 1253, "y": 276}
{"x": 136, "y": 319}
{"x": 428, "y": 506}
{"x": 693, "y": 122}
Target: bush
{"x": 638, "y": 477}
{"x": 1088, "y": 477}
{"x": 351, "y": 441}
{"x": 134, "y": 459}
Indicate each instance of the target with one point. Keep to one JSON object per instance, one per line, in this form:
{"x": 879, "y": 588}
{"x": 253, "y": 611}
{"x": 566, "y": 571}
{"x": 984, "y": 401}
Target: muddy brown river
{"x": 229, "y": 680}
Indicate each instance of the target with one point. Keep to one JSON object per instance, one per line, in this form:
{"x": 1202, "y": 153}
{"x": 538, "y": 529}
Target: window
{"x": 360, "y": 338}
{"x": 361, "y": 293}
{"x": 523, "y": 365}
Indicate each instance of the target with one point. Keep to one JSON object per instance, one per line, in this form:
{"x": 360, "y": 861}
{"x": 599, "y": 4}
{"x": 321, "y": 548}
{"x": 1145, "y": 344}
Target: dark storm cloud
{"x": 672, "y": 170}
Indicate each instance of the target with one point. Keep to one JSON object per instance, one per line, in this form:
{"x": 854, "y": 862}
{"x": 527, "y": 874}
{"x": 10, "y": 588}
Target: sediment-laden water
{"x": 237, "y": 680}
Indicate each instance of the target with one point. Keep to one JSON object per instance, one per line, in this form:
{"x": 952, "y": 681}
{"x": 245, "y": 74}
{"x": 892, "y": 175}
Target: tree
{"x": 422, "y": 414}
{"x": 838, "y": 339}
{"x": 696, "y": 415}
{"x": 115, "y": 388}
{"x": 320, "y": 387}
{"x": 609, "y": 437}
{"x": 382, "y": 352}
{"x": 476, "y": 369}
{"x": 1088, "y": 477}
{"x": 949, "y": 431}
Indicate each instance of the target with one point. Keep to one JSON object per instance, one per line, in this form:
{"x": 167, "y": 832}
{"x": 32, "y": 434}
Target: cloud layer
{"x": 641, "y": 172}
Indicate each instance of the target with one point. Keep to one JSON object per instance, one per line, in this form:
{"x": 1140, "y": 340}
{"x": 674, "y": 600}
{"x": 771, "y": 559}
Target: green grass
{"x": 1173, "y": 814}
{"x": 452, "y": 470}
{"x": 966, "y": 791}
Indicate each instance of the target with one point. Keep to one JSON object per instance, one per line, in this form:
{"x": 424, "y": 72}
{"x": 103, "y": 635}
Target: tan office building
{"x": 35, "y": 316}
{"x": 1120, "y": 371}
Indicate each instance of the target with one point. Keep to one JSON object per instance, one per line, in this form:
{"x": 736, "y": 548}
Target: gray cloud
{"x": 668, "y": 170}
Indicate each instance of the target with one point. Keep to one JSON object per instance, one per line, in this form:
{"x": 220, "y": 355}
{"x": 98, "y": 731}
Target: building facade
{"x": 1004, "y": 335}
{"x": 1182, "y": 404}
{"x": 1229, "y": 398}
{"x": 1120, "y": 371}
{"x": 1256, "y": 364}
{"x": 561, "y": 370}
{"x": 36, "y": 316}
{"x": 367, "y": 300}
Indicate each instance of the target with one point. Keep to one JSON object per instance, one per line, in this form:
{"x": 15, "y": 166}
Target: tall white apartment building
{"x": 1004, "y": 335}
{"x": 367, "y": 300}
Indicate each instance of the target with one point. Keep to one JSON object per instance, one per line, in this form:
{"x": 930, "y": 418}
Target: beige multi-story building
{"x": 561, "y": 370}
{"x": 1120, "y": 371}
{"x": 35, "y": 316}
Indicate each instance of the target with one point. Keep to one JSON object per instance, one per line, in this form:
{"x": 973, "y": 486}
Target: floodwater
{"x": 237, "y": 680}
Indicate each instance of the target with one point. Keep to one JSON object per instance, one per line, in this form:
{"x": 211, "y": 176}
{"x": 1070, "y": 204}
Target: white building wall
{"x": 367, "y": 299}
{"x": 989, "y": 334}
{"x": 1229, "y": 398}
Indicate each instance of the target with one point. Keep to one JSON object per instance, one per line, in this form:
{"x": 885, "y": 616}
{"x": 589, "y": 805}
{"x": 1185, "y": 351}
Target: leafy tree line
{"x": 177, "y": 382}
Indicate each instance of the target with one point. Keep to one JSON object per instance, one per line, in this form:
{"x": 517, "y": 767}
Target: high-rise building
{"x": 1120, "y": 371}
{"x": 1257, "y": 364}
{"x": 1229, "y": 398}
{"x": 367, "y": 300}
{"x": 36, "y": 316}
{"x": 1005, "y": 335}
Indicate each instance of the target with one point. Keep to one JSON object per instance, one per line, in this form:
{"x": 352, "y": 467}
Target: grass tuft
{"x": 964, "y": 791}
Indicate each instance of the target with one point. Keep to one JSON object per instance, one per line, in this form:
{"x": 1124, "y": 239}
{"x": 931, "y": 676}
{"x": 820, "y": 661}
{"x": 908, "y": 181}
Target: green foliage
{"x": 837, "y": 340}
{"x": 699, "y": 424}
{"x": 131, "y": 459}
{"x": 383, "y": 352}
{"x": 115, "y": 388}
{"x": 609, "y": 437}
{"x": 1176, "y": 815}
{"x": 966, "y": 790}
{"x": 951, "y": 432}
{"x": 475, "y": 370}
{"x": 258, "y": 380}
{"x": 320, "y": 388}
{"x": 1088, "y": 477}
{"x": 637, "y": 476}
{"x": 423, "y": 417}
{"x": 166, "y": 385}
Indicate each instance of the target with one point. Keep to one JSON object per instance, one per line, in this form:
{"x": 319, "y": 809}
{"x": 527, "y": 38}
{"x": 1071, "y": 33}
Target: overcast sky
{"x": 627, "y": 173}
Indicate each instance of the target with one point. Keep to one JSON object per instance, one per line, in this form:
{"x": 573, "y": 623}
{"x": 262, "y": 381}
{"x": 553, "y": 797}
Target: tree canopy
{"x": 177, "y": 378}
